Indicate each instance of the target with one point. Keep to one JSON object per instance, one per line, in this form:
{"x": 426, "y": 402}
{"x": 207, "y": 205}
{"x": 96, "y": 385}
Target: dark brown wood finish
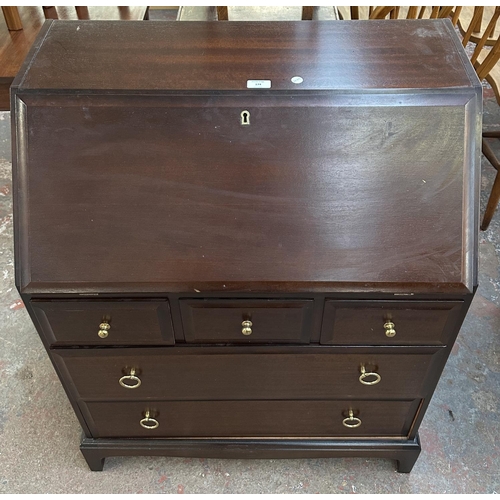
{"x": 223, "y": 56}
{"x": 416, "y": 323}
{"x": 225, "y": 373}
{"x": 349, "y": 199}
{"x": 266, "y": 321}
{"x": 15, "y": 45}
{"x": 307, "y": 13}
{"x": 133, "y": 322}
{"x": 5, "y": 84}
{"x": 275, "y": 212}
{"x": 405, "y": 453}
{"x": 253, "y": 418}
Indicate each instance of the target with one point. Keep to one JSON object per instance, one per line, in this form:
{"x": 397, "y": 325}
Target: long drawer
{"x": 187, "y": 373}
{"x": 251, "y": 418}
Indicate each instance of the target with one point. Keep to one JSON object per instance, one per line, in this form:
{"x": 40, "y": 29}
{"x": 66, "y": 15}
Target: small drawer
{"x": 230, "y": 373}
{"x": 246, "y": 321}
{"x": 386, "y": 322}
{"x": 218, "y": 419}
{"x": 105, "y": 322}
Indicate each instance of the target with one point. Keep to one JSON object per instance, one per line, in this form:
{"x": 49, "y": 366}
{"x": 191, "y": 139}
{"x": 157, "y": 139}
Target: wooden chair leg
{"x": 50, "y": 12}
{"x": 412, "y": 13}
{"x": 307, "y": 13}
{"x": 492, "y": 133}
{"x": 492, "y": 204}
{"x": 495, "y": 192}
{"x": 394, "y": 13}
{"x": 456, "y": 15}
{"x": 222, "y": 14}
{"x": 82, "y": 12}
{"x": 12, "y": 19}
{"x": 478, "y": 22}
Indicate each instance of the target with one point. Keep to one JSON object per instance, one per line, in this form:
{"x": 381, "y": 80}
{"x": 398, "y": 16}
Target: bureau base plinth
{"x": 405, "y": 452}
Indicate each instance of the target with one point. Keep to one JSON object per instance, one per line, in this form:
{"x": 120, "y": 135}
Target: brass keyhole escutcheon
{"x": 247, "y": 327}
{"x": 245, "y": 117}
{"x": 104, "y": 328}
{"x": 390, "y": 328}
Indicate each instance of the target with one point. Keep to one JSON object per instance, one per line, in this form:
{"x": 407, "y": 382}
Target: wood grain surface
{"x": 405, "y": 452}
{"x": 14, "y": 45}
{"x": 253, "y": 418}
{"x": 227, "y": 373}
{"x": 416, "y": 323}
{"x": 273, "y": 321}
{"x": 131, "y": 322}
{"x": 217, "y": 56}
{"x": 186, "y": 198}
{"x": 136, "y": 181}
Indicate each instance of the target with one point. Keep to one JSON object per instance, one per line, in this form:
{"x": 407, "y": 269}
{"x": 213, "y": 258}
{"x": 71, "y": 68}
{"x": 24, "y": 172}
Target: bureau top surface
{"x": 219, "y": 56}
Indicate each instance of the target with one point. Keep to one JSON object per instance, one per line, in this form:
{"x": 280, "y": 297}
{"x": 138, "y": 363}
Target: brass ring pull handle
{"x": 104, "y": 328}
{"x": 351, "y": 421}
{"x": 247, "y": 327}
{"x": 390, "y": 328}
{"x": 149, "y": 422}
{"x": 365, "y": 377}
{"x": 130, "y": 381}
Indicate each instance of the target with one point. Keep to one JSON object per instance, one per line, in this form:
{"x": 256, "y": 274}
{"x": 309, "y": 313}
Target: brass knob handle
{"x": 247, "y": 327}
{"x": 389, "y": 328}
{"x": 368, "y": 378}
{"x": 149, "y": 422}
{"x": 104, "y": 329}
{"x": 351, "y": 421}
{"x": 130, "y": 381}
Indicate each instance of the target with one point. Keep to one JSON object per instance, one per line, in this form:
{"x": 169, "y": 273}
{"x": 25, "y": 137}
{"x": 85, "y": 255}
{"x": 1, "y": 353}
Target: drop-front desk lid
{"x": 134, "y": 171}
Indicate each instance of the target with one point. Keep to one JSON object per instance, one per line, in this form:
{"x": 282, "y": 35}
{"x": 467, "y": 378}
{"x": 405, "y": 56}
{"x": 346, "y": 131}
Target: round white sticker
{"x": 297, "y": 79}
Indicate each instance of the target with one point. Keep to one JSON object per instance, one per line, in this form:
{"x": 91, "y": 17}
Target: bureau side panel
{"x": 174, "y": 193}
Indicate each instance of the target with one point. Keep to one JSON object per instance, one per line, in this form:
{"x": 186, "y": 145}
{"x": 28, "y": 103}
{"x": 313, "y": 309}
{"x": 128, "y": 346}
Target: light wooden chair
{"x": 401, "y": 13}
{"x": 205, "y": 13}
{"x": 485, "y": 64}
{"x": 51, "y": 12}
{"x": 416, "y": 13}
{"x": 101, "y": 13}
{"x": 307, "y": 13}
{"x": 479, "y": 25}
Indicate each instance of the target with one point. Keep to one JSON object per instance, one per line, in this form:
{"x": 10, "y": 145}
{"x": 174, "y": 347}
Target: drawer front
{"x": 252, "y": 418}
{"x": 360, "y": 322}
{"x": 105, "y": 322}
{"x": 247, "y": 321}
{"x": 172, "y": 376}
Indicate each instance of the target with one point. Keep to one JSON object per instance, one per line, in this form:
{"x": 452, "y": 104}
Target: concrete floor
{"x": 39, "y": 434}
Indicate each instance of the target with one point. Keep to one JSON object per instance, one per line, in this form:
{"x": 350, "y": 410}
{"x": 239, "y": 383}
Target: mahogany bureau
{"x": 247, "y": 239}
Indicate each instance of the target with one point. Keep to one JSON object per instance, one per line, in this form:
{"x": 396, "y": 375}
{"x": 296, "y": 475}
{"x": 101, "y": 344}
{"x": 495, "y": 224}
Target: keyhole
{"x": 245, "y": 117}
